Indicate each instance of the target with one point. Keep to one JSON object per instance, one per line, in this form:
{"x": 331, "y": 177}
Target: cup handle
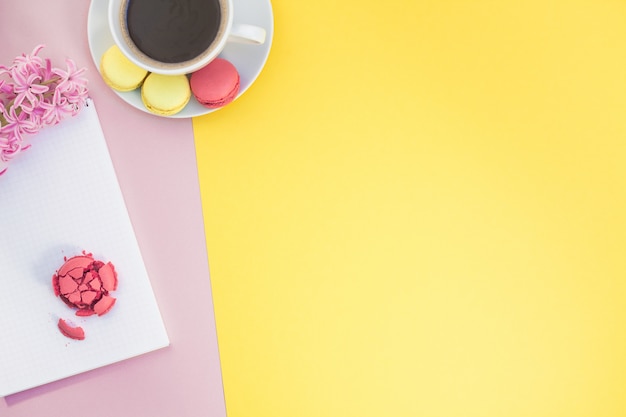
{"x": 242, "y": 33}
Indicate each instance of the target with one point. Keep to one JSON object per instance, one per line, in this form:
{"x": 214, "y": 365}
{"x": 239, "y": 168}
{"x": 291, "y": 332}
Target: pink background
{"x": 156, "y": 165}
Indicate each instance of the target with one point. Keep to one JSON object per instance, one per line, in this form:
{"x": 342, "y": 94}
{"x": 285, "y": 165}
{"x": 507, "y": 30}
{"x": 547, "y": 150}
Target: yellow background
{"x": 419, "y": 209}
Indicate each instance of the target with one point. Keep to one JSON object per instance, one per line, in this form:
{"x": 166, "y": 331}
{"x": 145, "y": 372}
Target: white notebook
{"x": 57, "y": 199}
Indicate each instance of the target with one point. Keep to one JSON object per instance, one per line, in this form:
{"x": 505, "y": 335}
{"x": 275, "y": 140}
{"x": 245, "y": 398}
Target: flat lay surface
{"x": 418, "y": 210}
{"x": 154, "y": 160}
{"x": 415, "y": 209}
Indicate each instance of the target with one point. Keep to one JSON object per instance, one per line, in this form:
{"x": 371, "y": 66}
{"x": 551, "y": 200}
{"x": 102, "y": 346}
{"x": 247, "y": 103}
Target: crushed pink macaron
{"x": 85, "y": 284}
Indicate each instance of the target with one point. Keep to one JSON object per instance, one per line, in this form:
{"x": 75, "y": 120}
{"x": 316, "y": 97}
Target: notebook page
{"x": 57, "y": 199}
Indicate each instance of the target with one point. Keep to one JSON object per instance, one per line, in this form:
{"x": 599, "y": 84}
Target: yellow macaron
{"x": 119, "y": 72}
{"x": 165, "y": 95}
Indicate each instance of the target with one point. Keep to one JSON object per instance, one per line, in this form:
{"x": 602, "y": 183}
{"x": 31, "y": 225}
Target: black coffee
{"x": 173, "y": 30}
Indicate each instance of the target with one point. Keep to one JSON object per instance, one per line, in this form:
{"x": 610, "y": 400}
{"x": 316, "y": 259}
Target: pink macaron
{"x": 216, "y": 84}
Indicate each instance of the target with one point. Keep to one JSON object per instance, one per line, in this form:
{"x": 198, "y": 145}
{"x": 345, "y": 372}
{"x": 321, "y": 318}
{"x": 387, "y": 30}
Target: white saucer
{"x": 248, "y": 59}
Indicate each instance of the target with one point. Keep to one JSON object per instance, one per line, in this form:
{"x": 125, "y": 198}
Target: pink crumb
{"x": 73, "y": 332}
{"x": 104, "y": 305}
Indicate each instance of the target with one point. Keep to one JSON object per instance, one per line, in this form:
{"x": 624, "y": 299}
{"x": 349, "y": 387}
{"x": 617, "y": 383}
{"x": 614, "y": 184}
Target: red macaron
{"x": 216, "y": 84}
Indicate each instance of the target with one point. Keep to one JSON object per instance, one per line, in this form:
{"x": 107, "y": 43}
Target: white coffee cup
{"x": 227, "y": 32}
